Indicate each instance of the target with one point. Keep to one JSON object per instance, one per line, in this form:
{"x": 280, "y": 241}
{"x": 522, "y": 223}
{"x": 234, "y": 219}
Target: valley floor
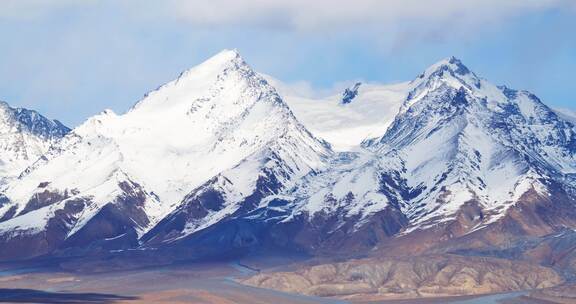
{"x": 210, "y": 283}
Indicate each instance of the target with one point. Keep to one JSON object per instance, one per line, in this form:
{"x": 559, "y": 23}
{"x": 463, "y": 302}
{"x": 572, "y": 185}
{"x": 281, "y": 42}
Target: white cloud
{"x": 392, "y": 23}
{"x": 56, "y": 51}
{"x": 327, "y": 14}
{"x": 297, "y": 14}
{"x": 304, "y": 88}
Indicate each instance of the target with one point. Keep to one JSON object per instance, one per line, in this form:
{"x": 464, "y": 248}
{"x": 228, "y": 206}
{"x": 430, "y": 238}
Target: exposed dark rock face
{"x": 38, "y": 124}
{"x": 325, "y": 235}
{"x": 538, "y": 229}
{"x": 350, "y": 93}
{"x": 27, "y": 244}
{"x": 211, "y": 198}
{"x": 320, "y": 235}
{"x": 9, "y": 214}
{"x": 43, "y": 199}
{"x": 115, "y": 226}
{"x": 33, "y": 122}
{"x": 4, "y": 200}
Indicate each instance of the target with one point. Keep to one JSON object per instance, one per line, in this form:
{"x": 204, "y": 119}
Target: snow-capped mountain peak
{"x": 24, "y": 136}
{"x": 460, "y": 135}
{"x": 204, "y": 114}
{"x": 448, "y": 66}
{"x": 193, "y": 81}
{"x": 33, "y": 122}
{"x": 449, "y": 73}
{"x": 218, "y": 156}
{"x": 218, "y": 128}
{"x": 455, "y": 65}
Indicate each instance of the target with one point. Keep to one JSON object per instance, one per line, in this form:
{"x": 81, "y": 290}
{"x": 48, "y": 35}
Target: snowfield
{"x": 220, "y": 143}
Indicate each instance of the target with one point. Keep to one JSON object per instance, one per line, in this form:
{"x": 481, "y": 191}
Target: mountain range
{"x": 224, "y": 161}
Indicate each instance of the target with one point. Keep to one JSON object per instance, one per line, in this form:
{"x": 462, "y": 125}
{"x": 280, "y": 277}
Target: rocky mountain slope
{"x": 25, "y": 135}
{"x": 464, "y": 164}
{"x": 216, "y": 164}
{"x": 196, "y": 150}
{"x": 474, "y": 170}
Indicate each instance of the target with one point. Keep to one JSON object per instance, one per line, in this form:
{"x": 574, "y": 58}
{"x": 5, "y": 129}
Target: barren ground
{"x": 210, "y": 283}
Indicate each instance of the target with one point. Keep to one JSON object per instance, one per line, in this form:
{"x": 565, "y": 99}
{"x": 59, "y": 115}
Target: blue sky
{"x": 72, "y": 59}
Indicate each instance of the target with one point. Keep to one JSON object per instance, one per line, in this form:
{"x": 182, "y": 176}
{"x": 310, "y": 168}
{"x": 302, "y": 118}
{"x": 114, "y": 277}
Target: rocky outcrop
{"x": 26, "y": 244}
{"x": 427, "y": 276}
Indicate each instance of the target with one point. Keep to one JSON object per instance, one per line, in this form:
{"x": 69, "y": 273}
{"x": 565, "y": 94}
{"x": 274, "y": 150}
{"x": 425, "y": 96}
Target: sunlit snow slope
{"x": 460, "y": 149}
{"x": 218, "y": 120}
{"x": 216, "y": 161}
{"x": 24, "y": 136}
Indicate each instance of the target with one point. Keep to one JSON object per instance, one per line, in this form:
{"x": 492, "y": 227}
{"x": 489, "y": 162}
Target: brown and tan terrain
{"x": 415, "y": 277}
{"x": 201, "y": 283}
{"x": 410, "y": 280}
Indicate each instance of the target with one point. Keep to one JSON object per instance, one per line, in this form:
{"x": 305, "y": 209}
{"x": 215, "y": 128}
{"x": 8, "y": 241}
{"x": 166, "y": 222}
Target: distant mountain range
{"x": 220, "y": 163}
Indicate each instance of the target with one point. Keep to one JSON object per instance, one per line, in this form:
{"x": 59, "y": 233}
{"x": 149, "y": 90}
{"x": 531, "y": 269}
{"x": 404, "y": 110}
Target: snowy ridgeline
{"x": 220, "y": 142}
